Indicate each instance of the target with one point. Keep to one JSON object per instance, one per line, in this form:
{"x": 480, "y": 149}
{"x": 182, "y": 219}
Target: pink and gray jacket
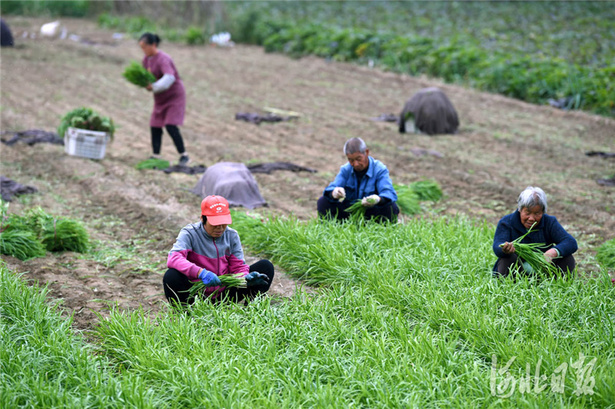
{"x": 195, "y": 250}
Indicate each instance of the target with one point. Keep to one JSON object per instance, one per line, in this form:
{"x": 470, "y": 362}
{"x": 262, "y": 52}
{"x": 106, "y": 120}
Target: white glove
{"x": 339, "y": 193}
{"x": 370, "y": 201}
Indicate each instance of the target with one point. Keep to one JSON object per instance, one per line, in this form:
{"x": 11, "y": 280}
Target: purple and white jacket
{"x": 195, "y": 250}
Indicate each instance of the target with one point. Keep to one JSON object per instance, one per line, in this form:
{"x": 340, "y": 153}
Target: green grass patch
{"x": 406, "y": 315}
{"x": 606, "y": 254}
{"x": 44, "y": 363}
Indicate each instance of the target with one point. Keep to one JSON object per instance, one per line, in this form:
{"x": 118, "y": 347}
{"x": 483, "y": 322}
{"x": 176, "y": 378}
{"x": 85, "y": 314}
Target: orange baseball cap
{"x": 217, "y": 210}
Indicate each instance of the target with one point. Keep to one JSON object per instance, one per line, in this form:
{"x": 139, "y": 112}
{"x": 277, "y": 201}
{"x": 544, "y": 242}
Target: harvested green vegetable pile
{"x": 36, "y": 232}
{"x": 86, "y": 118}
{"x": 153, "y": 163}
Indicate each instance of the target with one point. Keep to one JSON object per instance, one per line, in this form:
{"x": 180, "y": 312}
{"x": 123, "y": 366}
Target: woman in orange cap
{"x": 208, "y": 249}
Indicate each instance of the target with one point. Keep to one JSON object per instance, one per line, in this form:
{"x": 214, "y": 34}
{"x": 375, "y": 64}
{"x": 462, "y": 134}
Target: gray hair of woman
{"x": 354, "y": 145}
{"x": 532, "y": 196}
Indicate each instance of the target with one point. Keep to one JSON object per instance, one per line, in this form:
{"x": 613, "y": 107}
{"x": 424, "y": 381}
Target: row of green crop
{"x": 579, "y": 32}
{"x": 534, "y": 78}
{"x": 407, "y": 315}
{"x": 530, "y": 78}
{"x": 532, "y": 51}
{"x": 44, "y": 364}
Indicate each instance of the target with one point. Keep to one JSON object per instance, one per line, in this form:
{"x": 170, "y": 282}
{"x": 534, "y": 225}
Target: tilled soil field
{"x": 134, "y": 216}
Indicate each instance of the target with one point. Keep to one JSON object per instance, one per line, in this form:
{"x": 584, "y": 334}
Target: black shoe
{"x": 184, "y": 160}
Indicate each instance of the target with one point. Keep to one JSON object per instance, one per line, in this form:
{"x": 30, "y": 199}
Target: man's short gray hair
{"x": 354, "y": 145}
{"x": 531, "y": 197}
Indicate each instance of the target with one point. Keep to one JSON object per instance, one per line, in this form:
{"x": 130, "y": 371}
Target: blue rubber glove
{"x": 255, "y": 278}
{"x": 209, "y": 279}
{"x": 527, "y": 267}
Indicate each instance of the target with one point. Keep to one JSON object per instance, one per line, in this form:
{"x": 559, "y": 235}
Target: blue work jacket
{"x": 548, "y": 231}
{"x": 375, "y": 182}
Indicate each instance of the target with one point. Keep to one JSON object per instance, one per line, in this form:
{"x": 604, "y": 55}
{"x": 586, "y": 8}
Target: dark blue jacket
{"x": 375, "y": 182}
{"x": 548, "y": 231}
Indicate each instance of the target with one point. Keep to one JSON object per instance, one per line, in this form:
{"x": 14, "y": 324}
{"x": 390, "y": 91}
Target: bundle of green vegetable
{"x": 138, "y": 75}
{"x": 407, "y": 199}
{"x": 86, "y": 118}
{"x": 409, "y": 196}
{"x": 227, "y": 280}
{"x": 152, "y": 163}
{"x": 426, "y": 190}
{"x": 21, "y": 244}
{"x": 531, "y": 254}
{"x": 17, "y": 242}
{"x": 65, "y": 235}
{"x": 29, "y": 235}
{"x": 356, "y": 208}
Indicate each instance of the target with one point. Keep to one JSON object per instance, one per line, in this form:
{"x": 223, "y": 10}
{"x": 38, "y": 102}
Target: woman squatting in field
{"x": 169, "y": 96}
{"x": 532, "y": 211}
{"x": 208, "y": 249}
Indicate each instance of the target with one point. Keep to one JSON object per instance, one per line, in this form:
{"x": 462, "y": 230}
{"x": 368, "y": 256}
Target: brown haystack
{"x": 433, "y": 112}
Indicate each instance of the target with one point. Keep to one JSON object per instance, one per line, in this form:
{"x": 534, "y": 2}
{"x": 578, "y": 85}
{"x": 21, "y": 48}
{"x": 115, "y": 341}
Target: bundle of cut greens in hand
{"x": 138, "y": 75}
{"x": 227, "y": 280}
{"x": 532, "y": 254}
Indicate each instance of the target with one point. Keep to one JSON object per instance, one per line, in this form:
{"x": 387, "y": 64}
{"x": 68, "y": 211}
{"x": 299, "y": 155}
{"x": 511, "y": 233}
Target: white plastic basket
{"x": 85, "y": 143}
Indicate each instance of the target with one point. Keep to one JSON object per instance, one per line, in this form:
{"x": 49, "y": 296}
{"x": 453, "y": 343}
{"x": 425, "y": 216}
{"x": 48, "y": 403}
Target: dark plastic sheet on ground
{"x": 256, "y": 118}
{"x": 9, "y": 188}
{"x": 606, "y": 182}
{"x": 31, "y": 137}
{"x": 386, "y": 118}
{"x": 423, "y": 152}
{"x": 190, "y": 170}
{"x": 601, "y": 154}
{"x": 271, "y": 166}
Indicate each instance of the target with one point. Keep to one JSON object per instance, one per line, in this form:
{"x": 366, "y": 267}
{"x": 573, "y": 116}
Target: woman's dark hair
{"x": 204, "y": 219}
{"x": 150, "y": 38}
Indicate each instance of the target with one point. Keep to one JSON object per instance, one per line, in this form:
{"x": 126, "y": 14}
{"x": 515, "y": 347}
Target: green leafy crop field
{"x": 405, "y": 315}
{"x": 533, "y": 51}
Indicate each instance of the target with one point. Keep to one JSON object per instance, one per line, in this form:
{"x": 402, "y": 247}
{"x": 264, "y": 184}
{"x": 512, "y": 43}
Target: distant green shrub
{"x": 70, "y": 8}
{"x": 194, "y": 36}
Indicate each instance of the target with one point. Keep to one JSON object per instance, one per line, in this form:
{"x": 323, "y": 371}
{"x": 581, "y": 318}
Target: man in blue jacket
{"x": 559, "y": 245}
{"x": 362, "y": 178}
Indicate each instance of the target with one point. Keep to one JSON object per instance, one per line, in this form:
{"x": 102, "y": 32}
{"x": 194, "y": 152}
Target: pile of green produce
{"x": 136, "y": 74}
{"x": 408, "y": 198}
{"x": 32, "y": 234}
{"x": 152, "y": 163}
{"x": 86, "y": 118}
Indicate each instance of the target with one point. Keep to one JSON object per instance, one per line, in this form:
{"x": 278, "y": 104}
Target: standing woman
{"x": 169, "y": 96}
